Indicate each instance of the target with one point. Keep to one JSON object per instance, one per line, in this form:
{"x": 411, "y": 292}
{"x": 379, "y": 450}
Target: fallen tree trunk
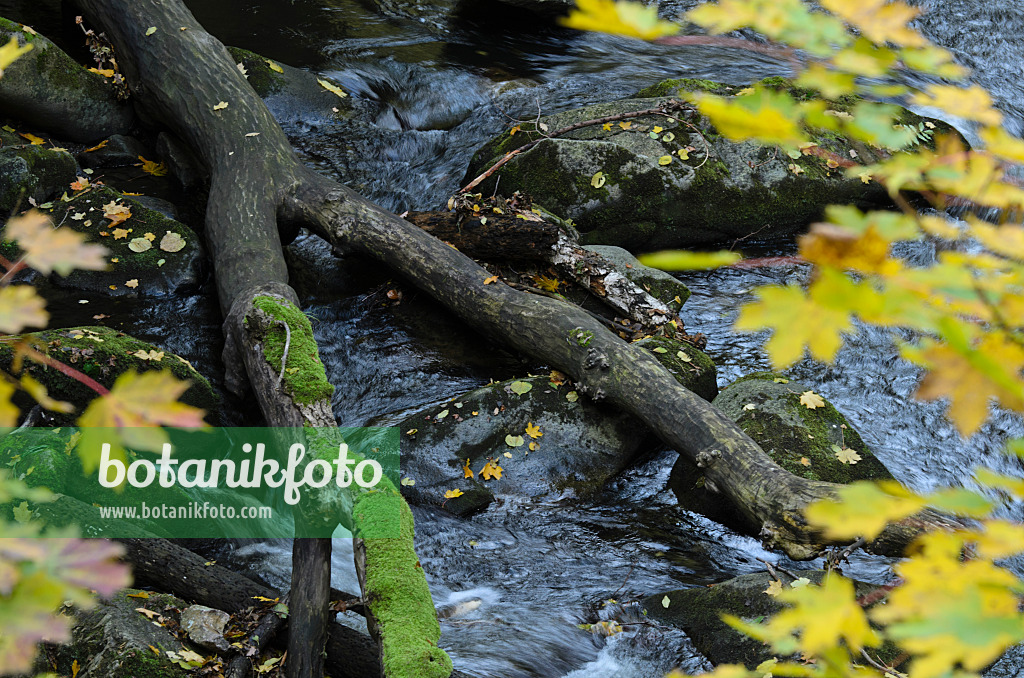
{"x": 257, "y": 182}
{"x": 183, "y": 78}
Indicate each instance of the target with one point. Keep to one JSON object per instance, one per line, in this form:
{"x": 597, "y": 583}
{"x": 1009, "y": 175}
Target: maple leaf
{"x": 21, "y": 307}
{"x": 633, "y": 19}
{"x": 787, "y": 309}
{"x": 49, "y": 249}
{"x": 811, "y": 400}
{"x": 491, "y": 471}
{"x": 116, "y": 213}
{"x": 826, "y": 614}
{"x": 133, "y": 283}
{"x": 451, "y": 494}
{"x": 137, "y": 405}
{"x": 863, "y": 509}
{"x": 157, "y": 169}
{"x": 491, "y": 279}
{"x": 846, "y": 455}
{"x": 545, "y": 283}
{"x": 969, "y": 374}
{"x": 879, "y": 20}
{"x": 468, "y": 472}
{"x": 767, "y": 116}
{"x": 774, "y": 588}
{"x": 972, "y": 103}
{"x": 533, "y": 431}
{"x": 33, "y": 139}
{"x": 79, "y": 184}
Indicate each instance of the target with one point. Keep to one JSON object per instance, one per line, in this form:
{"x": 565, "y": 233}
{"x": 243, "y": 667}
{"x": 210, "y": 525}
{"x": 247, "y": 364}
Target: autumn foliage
{"x": 953, "y": 610}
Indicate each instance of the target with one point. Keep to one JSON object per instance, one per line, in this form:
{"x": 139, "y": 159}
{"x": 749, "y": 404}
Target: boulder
{"x": 698, "y": 612}
{"x": 48, "y": 88}
{"x": 806, "y": 442}
{"x": 103, "y": 354}
{"x": 580, "y": 445}
{"x": 114, "y": 640}
{"x": 679, "y": 186}
{"x": 691, "y": 367}
{"x": 291, "y": 94}
{"x": 31, "y": 171}
{"x": 142, "y": 255}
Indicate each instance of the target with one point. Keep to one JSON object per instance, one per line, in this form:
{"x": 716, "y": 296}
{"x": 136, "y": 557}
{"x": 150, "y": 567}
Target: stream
{"x": 430, "y": 85}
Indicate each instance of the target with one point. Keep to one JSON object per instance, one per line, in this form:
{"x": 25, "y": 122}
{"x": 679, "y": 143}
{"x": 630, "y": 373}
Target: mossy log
{"x": 206, "y": 102}
{"x": 259, "y": 185}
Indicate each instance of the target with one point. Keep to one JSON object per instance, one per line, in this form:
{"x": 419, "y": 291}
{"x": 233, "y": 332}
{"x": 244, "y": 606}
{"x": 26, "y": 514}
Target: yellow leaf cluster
{"x": 633, "y": 19}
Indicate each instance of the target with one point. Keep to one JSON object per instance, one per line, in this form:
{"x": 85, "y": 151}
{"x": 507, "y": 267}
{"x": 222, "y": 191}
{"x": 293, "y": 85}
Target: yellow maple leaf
{"x": 846, "y": 454}
{"x": 879, "y": 20}
{"x": 120, "y": 233}
{"x": 490, "y": 279}
{"x": 11, "y": 51}
{"x": 79, "y": 184}
{"x": 546, "y": 283}
{"x": 468, "y": 472}
{"x": 157, "y": 169}
{"x": 116, "y": 213}
{"x": 533, "y": 431}
{"x": 774, "y": 588}
{"x": 137, "y": 405}
{"x": 787, "y": 309}
{"x": 451, "y": 494}
{"x": 825, "y": 615}
{"x": 633, "y": 19}
{"x": 491, "y": 471}
{"x": 33, "y": 139}
{"x": 972, "y": 103}
{"x": 969, "y": 374}
{"x": 811, "y": 400}
{"x": 48, "y": 249}
{"x": 765, "y": 116}
{"x": 863, "y": 509}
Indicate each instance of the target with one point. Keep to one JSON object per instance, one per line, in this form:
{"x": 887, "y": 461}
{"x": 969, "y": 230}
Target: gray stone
{"x": 205, "y": 626}
{"x": 582, "y": 446}
{"x": 31, "y": 171}
{"x": 658, "y": 283}
{"x": 48, "y": 88}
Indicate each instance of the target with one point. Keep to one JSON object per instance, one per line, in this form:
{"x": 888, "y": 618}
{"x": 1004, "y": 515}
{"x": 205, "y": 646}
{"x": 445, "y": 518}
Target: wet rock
{"x": 291, "y": 94}
{"x": 31, "y": 171}
{"x": 698, "y": 612}
{"x": 184, "y": 165}
{"x": 721, "y": 190}
{"x": 154, "y": 270}
{"x": 118, "y": 151}
{"x": 803, "y": 441}
{"x": 658, "y": 283}
{"x": 205, "y": 626}
{"x": 113, "y": 640}
{"x": 102, "y": 354}
{"x": 582, "y": 446}
{"x": 49, "y": 89}
{"x": 689, "y": 365}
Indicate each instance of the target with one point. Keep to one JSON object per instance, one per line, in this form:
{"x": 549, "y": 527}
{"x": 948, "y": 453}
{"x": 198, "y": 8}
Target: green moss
{"x": 262, "y": 78}
{"x": 696, "y": 372}
{"x": 304, "y": 376}
{"x": 103, "y": 354}
{"x": 673, "y": 87}
{"x": 398, "y": 595}
{"x": 14, "y": 27}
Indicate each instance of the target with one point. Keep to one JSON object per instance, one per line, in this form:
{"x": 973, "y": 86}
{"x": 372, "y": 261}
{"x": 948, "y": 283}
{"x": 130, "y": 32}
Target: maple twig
{"x": 284, "y": 353}
{"x": 66, "y": 370}
{"x": 664, "y": 109}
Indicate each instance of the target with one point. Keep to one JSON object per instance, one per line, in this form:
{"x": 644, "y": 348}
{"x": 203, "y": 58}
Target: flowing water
{"x": 430, "y": 85}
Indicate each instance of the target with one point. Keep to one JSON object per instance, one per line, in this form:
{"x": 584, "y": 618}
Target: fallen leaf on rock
{"x": 139, "y": 245}
{"x": 451, "y": 494}
{"x": 172, "y": 242}
{"x": 133, "y": 283}
{"x": 846, "y": 455}
{"x": 220, "y": 105}
{"x": 811, "y": 400}
{"x": 491, "y": 471}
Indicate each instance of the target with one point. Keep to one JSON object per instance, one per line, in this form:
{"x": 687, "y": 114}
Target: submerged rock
{"x": 579, "y": 445}
{"x": 656, "y": 181}
{"x": 31, "y": 171}
{"x": 48, "y": 88}
{"x": 698, "y": 612}
{"x": 291, "y": 94}
{"x": 807, "y": 442}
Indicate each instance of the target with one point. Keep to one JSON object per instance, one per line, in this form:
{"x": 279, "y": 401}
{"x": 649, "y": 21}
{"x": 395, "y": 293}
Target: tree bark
{"x": 257, "y": 182}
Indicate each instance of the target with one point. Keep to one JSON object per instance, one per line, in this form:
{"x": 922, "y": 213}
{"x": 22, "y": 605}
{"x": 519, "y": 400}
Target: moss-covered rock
{"x": 688, "y": 364}
{"x": 31, "y": 171}
{"x": 718, "y": 191}
{"x": 291, "y": 94}
{"x": 582, "y": 445}
{"x": 658, "y": 283}
{"x": 698, "y": 612}
{"x": 154, "y": 271}
{"x": 114, "y": 641}
{"x": 102, "y": 354}
{"x": 803, "y": 441}
{"x": 48, "y": 88}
